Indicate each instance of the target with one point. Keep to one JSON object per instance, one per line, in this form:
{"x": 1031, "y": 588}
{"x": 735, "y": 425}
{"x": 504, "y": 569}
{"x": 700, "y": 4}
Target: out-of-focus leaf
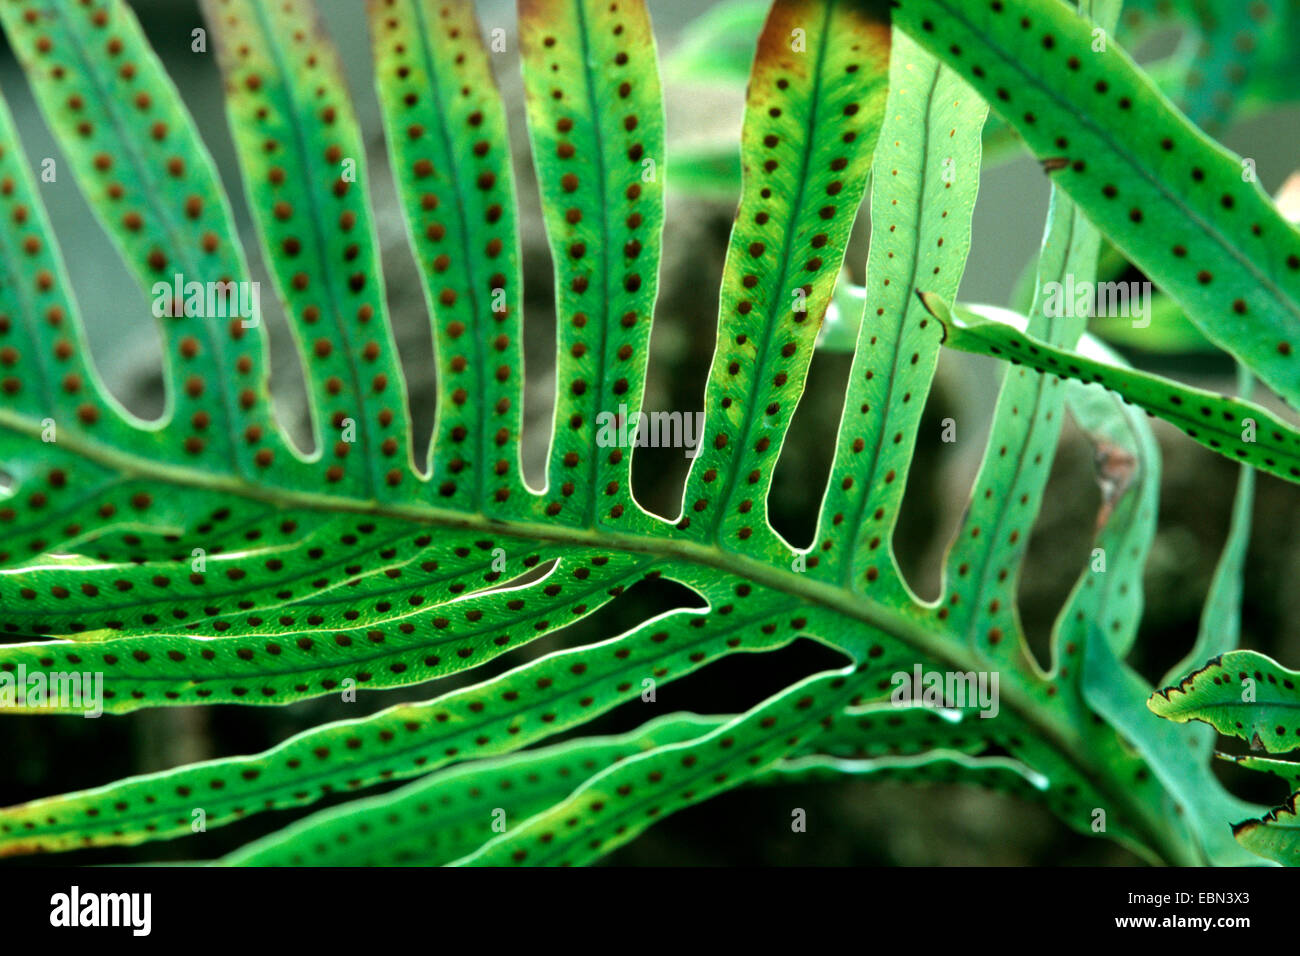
{"x": 1003, "y": 774}
{"x": 1117, "y": 692}
{"x": 839, "y": 332}
{"x": 718, "y": 46}
{"x": 709, "y": 171}
{"x": 1164, "y": 330}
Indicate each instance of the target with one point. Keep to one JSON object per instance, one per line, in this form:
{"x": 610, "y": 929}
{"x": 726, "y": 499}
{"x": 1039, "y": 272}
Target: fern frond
{"x": 1232, "y": 427}
{"x": 1176, "y": 203}
{"x": 204, "y": 558}
{"x": 447, "y": 815}
{"x": 137, "y": 156}
{"x": 922, "y": 199}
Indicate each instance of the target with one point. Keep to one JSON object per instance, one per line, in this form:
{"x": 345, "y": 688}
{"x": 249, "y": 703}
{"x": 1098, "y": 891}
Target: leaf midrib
{"x": 671, "y": 546}
{"x": 758, "y": 376}
{"x": 909, "y": 303}
{"x": 308, "y": 165}
{"x": 941, "y": 646}
{"x": 602, "y": 187}
{"x": 462, "y": 218}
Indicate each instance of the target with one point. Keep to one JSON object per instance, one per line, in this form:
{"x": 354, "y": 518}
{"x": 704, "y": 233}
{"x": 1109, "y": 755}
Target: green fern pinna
{"x": 202, "y": 559}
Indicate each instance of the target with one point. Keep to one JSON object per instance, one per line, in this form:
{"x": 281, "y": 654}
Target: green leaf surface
{"x": 1218, "y": 422}
{"x": 273, "y": 574}
{"x": 49, "y": 383}
{"x": 415, "y": 640}
{"x": 922, "y": 199}
{"x": 498, "y": 716}
{"x": 813, "y": 114}
{"x": 450, "y": 152}
{"x": 447, "y": 815}
{"x": 1275, "y": 836}
{"x": 1176, "y": 203}
{"x": 1288, "y": 770}
{"x": 595, "y": 116}
{"x": 616, "y": 805}
{"x": 983, "y": 563}
{"x": 134, "y": 151}
{"x": 288, "y": 108}
{"x": 982, "y": 567}
{"x": 1241, "y": 694}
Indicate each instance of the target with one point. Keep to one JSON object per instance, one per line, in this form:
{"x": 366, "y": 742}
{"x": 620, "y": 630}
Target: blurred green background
{"x": 848, "y": 823}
